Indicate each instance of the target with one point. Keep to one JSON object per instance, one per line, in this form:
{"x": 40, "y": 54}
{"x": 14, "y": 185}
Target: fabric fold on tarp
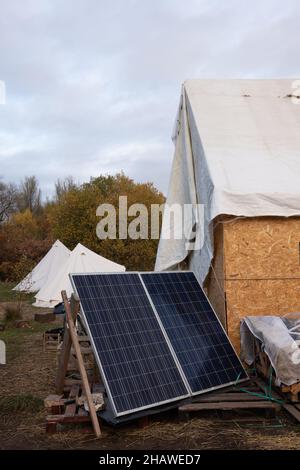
{"x": 237, "y": 152}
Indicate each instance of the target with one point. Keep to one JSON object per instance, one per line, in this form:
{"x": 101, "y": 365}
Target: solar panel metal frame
{"x": 166, "y": 336}
{"x": 206, "y": 390}
{"x": 103, "y": 376}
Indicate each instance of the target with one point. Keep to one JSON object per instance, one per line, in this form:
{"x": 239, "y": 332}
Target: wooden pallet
{"x": 65, "y": 410}
{"x": 263, "y": 366}
{"x": 231, "y": 399}
{"x": 51, "y": 341}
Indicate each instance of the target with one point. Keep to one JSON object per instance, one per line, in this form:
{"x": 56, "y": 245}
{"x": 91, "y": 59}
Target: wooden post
{"x": 66, "y": 348}
{"x": 84, "y": 377}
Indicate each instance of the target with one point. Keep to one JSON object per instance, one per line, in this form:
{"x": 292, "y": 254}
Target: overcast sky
{"x": 92, "y": 86}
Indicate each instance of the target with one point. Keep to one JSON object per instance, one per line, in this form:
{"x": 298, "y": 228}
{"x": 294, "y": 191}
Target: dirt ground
{"x": 29, "y": 376}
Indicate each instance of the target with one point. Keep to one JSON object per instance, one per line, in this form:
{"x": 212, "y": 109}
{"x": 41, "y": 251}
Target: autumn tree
{"x": 29, "y": 195}
{"x": 24, "y": 239}
{"x": 74, "y": 219}
{"x": 8, "y": 194}
{"x": 63, "y": 186}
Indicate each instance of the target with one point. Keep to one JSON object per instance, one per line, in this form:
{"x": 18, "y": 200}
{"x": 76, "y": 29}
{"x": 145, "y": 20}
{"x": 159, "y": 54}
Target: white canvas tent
{"x": 81, "y": 260}
{"x": 46, "y": 269}
{"x": 237, "y": 152}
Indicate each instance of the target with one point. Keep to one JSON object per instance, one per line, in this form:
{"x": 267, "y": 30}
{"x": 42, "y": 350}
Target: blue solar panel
{"x": 137, "y": 365}
{"x": 204, "y": 352}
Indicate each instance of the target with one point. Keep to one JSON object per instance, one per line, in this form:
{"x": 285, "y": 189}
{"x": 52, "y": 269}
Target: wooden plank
{"x": 70, "y": 382}
{"x": 74, "y": 391}
{"x": 292, "y": 410}
{"x": 63, "y": 419}
{"x": 84, "y": 350}
{"x": 229, "y": 406}
{"x": 85, "y": 382}
{"x": 98, "y": 388}
{"x": 65, "y": 350}
{"x": 226, "y": 397}
{"x": 70, "y": 410}
{"x": 83, "y": 338}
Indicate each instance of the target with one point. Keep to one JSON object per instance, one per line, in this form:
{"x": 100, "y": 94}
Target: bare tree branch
{"x": 8, "y": 195}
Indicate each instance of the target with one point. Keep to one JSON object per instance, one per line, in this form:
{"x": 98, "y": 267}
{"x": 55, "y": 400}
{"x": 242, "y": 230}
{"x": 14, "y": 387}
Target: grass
{"x": 14, "y": 337}
{"x": 9, "y": 295}
{"x": 12, "y": 312}
{"x": 21, "y": 402}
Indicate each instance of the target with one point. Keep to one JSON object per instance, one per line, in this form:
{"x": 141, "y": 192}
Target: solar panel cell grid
{"x": 200, "y": 343}
{"x": 135, "y": 359}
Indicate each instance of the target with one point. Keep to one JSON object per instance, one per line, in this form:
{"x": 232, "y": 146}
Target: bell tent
{"x": 81, "y": 260}
{"x": 46, "y": 269}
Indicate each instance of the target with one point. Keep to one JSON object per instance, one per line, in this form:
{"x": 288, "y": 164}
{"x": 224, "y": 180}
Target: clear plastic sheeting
{"x": 280, "y": 340}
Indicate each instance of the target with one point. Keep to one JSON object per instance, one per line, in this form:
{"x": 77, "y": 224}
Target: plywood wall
{"x": 262, "y": 248}
{"x": 214, "y": 285}
{"x": 259, "y": 297}
{"x": 261, "y": 269}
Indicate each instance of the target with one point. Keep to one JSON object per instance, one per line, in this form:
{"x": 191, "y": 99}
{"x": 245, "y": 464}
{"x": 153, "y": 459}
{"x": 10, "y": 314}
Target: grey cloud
{"x": 93, "y": 86}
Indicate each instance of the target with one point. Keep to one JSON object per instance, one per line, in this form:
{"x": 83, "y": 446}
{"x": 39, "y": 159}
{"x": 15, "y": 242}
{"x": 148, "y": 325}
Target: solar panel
{"x": 137, "y": 366}
{"x": 204, "y": 352}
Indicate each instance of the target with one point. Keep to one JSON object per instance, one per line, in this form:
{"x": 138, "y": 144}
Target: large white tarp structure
{"x": 81, "y": 260}
{"x": 237, "y": 152}
{"x": 46, "y": 269}
{"x": 280, "y": 341}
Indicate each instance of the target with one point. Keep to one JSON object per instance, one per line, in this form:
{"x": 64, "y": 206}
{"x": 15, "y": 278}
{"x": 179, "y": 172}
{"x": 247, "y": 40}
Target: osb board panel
{"x": 262, "y": 248}
{"x": 259, "y": 297}
{"x": 214, "y": 284}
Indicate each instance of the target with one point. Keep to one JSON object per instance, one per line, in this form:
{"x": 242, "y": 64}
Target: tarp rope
{"x": 268, "y": 390}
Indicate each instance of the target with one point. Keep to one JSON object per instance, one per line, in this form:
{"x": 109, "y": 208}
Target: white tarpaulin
{"x": 280, "y": 339}
{"x": 81, "y": 260}
{"x": 46, "y": 269}
{"x": 237, "y": 152}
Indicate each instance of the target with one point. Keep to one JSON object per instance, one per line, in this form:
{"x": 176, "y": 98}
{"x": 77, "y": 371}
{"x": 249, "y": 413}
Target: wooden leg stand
{"x": 71, "y": 339}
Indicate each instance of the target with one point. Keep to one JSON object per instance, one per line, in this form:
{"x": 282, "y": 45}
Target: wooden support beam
{"x": 85, "y": 382}
{"x": 230, "y": 406}
{"x": 185, "y": 410}
{"x": 292, "y": 410}
{"x": 227, "y": 397}
{"x": 66, "y": 348}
